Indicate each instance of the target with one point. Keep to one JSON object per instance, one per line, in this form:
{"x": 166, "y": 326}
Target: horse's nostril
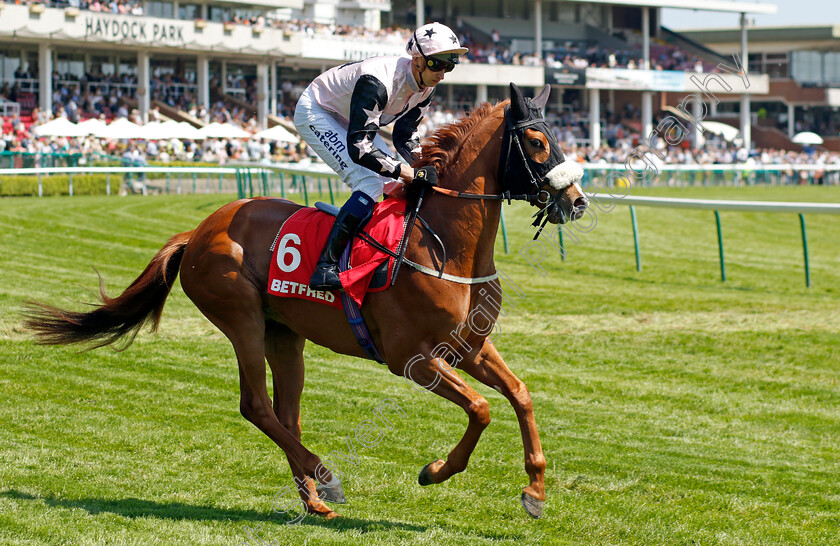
{"x": 581, "y": 203}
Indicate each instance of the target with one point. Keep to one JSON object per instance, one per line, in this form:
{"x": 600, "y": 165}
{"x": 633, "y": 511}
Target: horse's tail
{"x": 117, "y": 318}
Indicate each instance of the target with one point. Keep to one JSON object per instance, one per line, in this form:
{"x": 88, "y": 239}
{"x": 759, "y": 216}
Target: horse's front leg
{"x": 435, "y": 375}
{"x": 489, "y": 368}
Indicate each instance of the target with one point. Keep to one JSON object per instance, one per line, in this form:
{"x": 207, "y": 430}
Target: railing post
{"x": 195, "y": 174}
{"x": 71, "y": 185}
{"x": 329, "y": 185}
{"x": 504, "y": 230}
{"x": 40, "y": 186}
{"x": 720, "y": 248}
{"x": 805, "y": 251}
{"x": 560, "y": 240}
{"x": 636, "y": 238}
{"x": 107, "y": 183}
{"x": 282, "y": 185}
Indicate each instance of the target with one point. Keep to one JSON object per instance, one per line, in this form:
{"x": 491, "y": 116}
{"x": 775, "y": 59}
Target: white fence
{"x": 253, "y": 179}
{"x": 718, "y": 205}
{"x": 713, "y": 174}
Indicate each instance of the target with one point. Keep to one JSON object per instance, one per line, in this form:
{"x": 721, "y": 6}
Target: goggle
{"x": 436, "y": 65}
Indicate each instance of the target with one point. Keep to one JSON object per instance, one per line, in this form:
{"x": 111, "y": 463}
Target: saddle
{"x": 369, "y": 263}
{"x": 382, "y": 274}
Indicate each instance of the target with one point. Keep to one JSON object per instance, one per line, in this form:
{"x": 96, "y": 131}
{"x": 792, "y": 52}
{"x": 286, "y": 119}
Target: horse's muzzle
{"x": 569, "y": 206}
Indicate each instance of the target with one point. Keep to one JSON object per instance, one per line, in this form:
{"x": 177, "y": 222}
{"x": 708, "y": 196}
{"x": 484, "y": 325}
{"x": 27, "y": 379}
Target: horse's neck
{"x": 468, "y": 227}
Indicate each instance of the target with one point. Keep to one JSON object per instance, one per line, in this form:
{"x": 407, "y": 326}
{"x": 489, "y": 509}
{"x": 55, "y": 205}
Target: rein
{"x": 488, "y": 196}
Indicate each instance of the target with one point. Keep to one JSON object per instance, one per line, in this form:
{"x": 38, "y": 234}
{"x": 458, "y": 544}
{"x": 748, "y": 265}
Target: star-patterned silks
{"x": 429, "y": 33}
{"x": 365, "y": 146}
{"x": 454, "y": 39}
{"x": 387, "y": 163}
{"x": 410, "y": 44}
{"x": 424, "y": 110}
{"x": 373, "y": 115}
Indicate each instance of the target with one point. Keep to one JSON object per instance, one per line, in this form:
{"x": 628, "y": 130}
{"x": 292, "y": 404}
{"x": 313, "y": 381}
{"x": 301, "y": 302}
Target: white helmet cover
{"x": 434, "y": 39}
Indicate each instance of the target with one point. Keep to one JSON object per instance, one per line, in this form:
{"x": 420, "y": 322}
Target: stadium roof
{"x": 807, "y": 33}
{"x": 769, "y": 39}
{"x": 705, "y": 5}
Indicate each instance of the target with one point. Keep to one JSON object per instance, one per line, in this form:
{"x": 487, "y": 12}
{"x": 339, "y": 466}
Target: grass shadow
{"x": 139, "y": 508}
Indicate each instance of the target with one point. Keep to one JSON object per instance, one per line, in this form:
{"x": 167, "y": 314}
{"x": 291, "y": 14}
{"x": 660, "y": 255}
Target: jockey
{"x": 339, "y": 115}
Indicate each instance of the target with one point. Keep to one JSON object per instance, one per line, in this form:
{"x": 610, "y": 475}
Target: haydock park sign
{"x": 134, "y": 28}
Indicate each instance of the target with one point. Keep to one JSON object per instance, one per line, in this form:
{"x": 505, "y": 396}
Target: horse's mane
{"x": 442, "y": 147}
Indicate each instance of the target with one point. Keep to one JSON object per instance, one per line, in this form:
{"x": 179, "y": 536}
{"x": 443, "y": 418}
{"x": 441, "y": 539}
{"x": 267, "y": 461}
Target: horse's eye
{"x": 536, "y": 143}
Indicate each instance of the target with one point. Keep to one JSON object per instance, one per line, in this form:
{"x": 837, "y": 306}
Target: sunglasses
{"x": 436, "y": 65}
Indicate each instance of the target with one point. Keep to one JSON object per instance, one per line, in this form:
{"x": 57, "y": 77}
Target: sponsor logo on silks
{"x": 289, "y": 287}
{"x": 332, "y": 142}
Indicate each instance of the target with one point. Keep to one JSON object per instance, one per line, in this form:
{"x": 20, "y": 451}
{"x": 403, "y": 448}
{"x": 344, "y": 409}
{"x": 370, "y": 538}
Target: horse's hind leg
{"x": 489, "y": 368}
{"x": 284, "y": 352}
{"x": 438, "y": 377}
{"x": 236, "y": 309}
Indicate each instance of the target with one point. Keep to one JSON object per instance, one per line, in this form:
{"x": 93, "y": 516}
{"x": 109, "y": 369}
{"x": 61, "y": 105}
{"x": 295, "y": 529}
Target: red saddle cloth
{"x": 302, "y": 238}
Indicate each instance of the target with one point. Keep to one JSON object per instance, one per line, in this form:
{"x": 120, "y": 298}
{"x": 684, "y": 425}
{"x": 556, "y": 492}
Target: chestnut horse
{"x": 224, "y": 265}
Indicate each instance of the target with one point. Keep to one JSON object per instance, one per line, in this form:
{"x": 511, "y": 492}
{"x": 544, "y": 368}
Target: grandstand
{"x": 803, "y": 64}
{"x": 246, "y": 61}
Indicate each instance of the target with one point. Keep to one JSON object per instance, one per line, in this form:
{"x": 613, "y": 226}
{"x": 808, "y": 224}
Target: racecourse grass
{"x": 673, "y": 408}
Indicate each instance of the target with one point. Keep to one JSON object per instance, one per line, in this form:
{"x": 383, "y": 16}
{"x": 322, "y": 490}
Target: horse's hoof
{"x": 425, "y": 477}
{"x": 333, "y": 493}
{"x": 533, "y": 506}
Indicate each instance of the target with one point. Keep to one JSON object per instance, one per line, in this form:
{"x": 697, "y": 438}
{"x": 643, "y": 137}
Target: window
{"x": 9, "y": 63}
{"x": 755, "y": 63}
{"x": 157, "y": 8}
{"x": 189, "y": 12}
{"x": 807, "y": 66}
{"x": 776, "y": 65}
{"x": 70, "y": 66}
{"x": 832, "y": 68}
{"x": 218, "y": 14}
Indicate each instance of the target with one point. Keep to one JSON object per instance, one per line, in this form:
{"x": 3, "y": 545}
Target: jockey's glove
{"x": 426, "y": 176}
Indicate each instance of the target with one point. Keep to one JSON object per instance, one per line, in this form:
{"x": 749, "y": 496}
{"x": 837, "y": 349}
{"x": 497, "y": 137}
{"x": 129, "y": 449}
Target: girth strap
{"x": 354, "y": 314}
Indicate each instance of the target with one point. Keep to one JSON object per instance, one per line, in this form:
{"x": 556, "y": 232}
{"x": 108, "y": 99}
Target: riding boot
{"x": 326, "y": 272}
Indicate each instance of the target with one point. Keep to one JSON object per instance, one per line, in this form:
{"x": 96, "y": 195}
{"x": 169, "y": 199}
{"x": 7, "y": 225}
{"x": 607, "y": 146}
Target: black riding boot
{"x": 326, "y": 272}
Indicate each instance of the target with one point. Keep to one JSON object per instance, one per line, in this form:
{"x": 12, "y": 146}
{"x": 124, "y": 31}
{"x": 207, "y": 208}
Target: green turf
{"x": 673, "y": 408}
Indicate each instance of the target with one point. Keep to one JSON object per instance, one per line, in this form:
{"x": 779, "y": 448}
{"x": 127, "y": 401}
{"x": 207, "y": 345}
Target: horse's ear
{"x": 517, "y": 103}
{"x": 542, "y": 97}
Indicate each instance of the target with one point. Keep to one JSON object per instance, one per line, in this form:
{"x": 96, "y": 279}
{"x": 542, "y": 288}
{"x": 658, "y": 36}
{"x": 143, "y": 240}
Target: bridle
{"x": 512, "y": 140}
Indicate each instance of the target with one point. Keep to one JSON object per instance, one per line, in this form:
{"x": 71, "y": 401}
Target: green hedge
{"x": 83, "y": 184}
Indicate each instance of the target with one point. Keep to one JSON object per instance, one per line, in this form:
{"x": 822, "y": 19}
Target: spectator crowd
{"x": 101, "y": 95}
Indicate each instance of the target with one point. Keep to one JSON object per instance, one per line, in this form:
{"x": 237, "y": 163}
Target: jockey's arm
{"x": 366, "y": 105}
{"x": 406, "y": 136}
